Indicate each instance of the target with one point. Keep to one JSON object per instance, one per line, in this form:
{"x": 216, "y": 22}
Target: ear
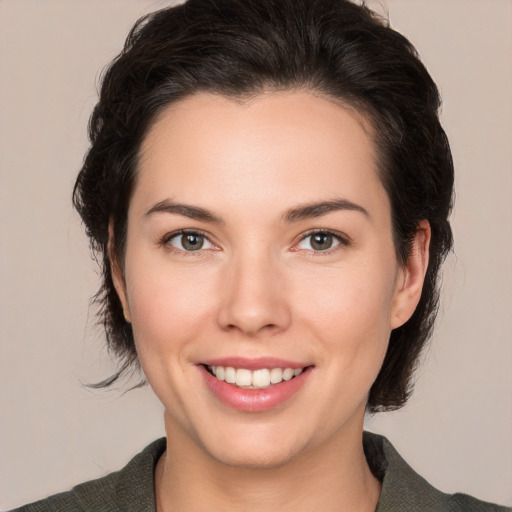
{"x": 411, "y": 276}
{"x": 117, "y": 274}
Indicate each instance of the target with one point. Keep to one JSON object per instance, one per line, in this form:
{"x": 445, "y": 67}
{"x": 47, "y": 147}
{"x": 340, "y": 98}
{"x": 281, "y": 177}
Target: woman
{"x": 268, "y": 189}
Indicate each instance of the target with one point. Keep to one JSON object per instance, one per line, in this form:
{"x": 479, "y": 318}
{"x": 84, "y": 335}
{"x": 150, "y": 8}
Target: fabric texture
{"x": 132, "y": 488}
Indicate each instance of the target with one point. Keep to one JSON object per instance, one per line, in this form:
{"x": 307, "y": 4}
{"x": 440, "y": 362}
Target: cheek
{"x": 169, "y": 310}
{"x": 350, "y": 311}
{"x": 167, "y": 306}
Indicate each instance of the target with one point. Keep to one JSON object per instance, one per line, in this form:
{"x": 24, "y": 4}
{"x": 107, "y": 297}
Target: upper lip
{"x": 256, "y": 363}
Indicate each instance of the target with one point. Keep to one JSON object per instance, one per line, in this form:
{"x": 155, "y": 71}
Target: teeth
{"x": 219, "y": 372}
{"x": 287, "y": 374}
{"x": 243, "y": 378}
{"x": 276, "y": 375}
{"x": 229, "y": 374}
{"x": 261, "y": 378}
{"x": 257, "y": 379}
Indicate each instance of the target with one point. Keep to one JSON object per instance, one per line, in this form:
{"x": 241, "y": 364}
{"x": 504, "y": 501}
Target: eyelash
{"x": 165, "y": 241}
{"x": 341, "y": 238}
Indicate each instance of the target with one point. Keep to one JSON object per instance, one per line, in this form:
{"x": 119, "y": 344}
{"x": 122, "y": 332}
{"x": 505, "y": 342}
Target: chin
{"x": 247, "y": 457}
{"x": 257, "y": 448}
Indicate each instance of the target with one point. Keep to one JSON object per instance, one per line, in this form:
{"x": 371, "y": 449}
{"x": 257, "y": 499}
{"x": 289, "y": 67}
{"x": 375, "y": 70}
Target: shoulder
{"x": 132, "y": 486}
{"x": 404, "y": 490}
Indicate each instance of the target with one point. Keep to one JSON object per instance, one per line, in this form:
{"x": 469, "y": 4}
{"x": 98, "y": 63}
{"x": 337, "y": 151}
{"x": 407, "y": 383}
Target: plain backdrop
{"x": 54, "y": 432}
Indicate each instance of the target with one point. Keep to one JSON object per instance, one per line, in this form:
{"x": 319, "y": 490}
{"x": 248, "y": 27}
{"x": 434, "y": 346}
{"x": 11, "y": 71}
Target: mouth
{"x": 262, "y": 378}
{"x": 254, "y": 384}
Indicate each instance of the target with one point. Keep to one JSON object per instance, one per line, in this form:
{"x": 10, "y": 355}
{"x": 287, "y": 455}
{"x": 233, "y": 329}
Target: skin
{"x": 259, "y": 288}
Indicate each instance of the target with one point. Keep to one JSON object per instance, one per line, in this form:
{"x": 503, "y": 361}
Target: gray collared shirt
{"x": 132, "y": 488}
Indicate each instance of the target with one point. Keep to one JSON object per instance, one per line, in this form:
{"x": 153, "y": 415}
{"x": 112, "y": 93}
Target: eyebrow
{"x": 295, "y": 214}
{"x": 312, "y": 210}
{"x": 192, "y": 212}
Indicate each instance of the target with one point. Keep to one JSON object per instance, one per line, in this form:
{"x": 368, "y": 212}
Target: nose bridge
{"x": 253, "y": 297}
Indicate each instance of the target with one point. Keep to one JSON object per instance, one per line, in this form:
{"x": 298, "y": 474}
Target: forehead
{"x": 288, "y": 145}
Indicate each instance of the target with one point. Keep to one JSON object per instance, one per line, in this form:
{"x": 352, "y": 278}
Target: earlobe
{"x": 117, "y": 275}
{"x": 411, "y": 276}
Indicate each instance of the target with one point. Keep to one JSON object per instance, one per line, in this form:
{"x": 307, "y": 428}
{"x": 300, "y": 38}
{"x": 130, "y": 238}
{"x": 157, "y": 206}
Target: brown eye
{"x": 320, "y": 241}
{"x": 192, "y": 242}
{"x": 189, "y": 241}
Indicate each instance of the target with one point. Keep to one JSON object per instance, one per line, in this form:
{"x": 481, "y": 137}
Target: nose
{"x": 253, "y": 297}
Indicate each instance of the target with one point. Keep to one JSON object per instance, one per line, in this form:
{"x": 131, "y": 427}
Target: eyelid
{"x": 164, "y": 240}
{"x": 343, "y": 239}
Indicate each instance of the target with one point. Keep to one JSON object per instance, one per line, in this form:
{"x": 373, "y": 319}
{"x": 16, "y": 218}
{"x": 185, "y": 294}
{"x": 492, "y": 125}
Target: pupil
{"x": 192, "y": 242}
{"x": 321, "y": 242}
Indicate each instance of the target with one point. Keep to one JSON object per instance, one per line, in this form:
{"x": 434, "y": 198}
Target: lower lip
{"x": 254, "y": 400}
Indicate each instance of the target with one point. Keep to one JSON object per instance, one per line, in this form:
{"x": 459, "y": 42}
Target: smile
{"x": 253, "y": 379}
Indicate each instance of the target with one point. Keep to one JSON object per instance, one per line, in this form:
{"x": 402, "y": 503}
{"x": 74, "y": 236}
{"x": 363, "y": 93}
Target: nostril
{"x": 251, "y": 326}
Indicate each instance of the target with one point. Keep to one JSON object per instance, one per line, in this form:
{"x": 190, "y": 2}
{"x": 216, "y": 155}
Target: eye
{"x": 320, "y": 241}
{"x": 188, "y": 241}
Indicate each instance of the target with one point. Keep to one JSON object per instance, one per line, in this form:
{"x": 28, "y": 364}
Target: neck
{"x": 331, "y": 477}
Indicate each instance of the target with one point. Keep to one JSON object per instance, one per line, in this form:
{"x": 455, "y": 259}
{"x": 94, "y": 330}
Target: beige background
{"x": 456, "y": 431}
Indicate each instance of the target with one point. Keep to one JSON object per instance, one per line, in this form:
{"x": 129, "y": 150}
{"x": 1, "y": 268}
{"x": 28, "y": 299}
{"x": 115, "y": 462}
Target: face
{"x": 260, "y": 275}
